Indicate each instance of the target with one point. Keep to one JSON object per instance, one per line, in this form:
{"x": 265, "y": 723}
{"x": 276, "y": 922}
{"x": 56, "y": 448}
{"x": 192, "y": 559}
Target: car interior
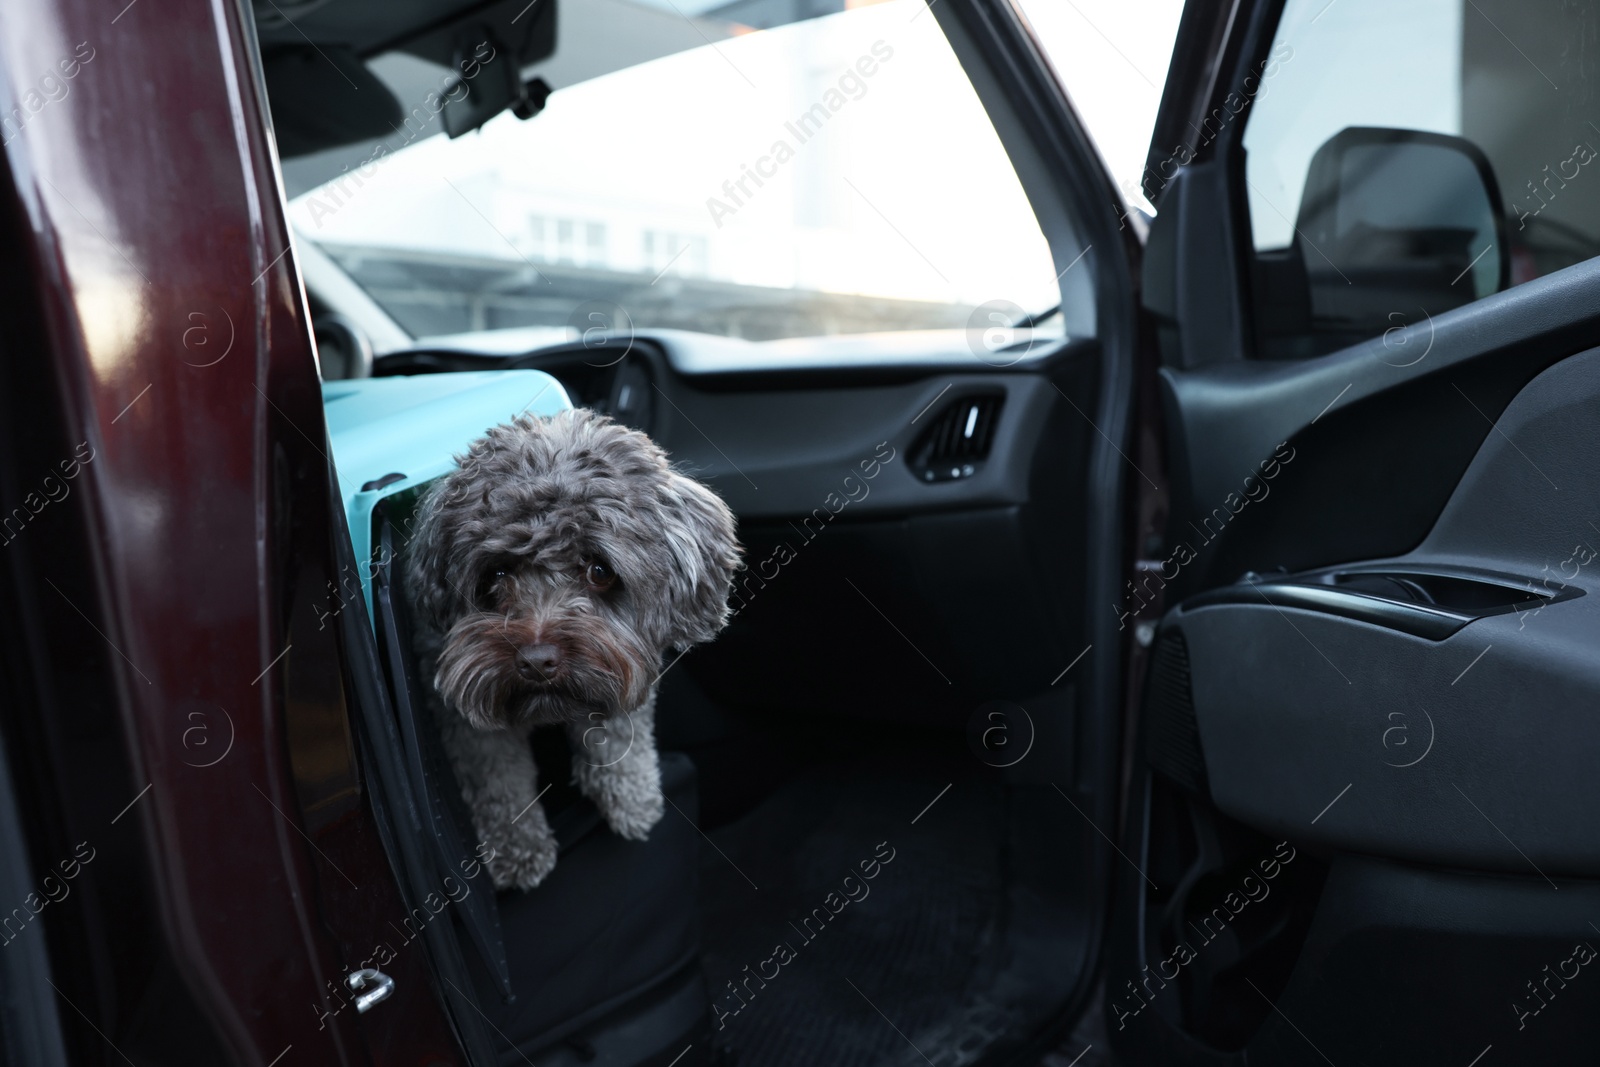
{"x": 898, "y": 690}
{"x": 1279, "y": 708}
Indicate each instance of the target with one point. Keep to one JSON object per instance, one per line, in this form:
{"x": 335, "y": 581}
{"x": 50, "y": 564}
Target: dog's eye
{"x": 488, "y": 582}
{"x": 600, "y": 576}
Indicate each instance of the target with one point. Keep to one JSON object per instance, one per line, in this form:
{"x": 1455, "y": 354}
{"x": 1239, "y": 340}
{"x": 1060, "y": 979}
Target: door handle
{"x": 1422, "y": 601}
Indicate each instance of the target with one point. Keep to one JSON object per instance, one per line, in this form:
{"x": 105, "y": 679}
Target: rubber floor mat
{"x": 855, "y": 921}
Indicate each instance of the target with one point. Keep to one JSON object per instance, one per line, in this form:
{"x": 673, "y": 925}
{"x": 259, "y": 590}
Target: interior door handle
{"x": 1422, "y": 602}
{"x": 1419, "y": 620}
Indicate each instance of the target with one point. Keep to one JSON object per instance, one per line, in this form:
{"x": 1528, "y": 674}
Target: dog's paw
{"x": 523, "y": 864}
{"x": 635, "y": 816}
{"x": 626, "y": 788}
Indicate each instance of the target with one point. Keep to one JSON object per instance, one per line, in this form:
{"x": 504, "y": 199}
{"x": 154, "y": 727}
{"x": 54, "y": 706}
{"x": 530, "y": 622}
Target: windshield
{"x": 831, "y": 176}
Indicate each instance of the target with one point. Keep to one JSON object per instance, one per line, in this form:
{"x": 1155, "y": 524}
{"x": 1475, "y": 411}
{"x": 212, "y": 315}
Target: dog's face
{"x": 559, "y": 561}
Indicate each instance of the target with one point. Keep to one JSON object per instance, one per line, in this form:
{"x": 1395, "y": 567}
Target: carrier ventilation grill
{"x": 958, "y": 440}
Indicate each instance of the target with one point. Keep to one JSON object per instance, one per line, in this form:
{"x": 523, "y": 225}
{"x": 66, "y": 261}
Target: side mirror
{"x": 1397, "y": 220}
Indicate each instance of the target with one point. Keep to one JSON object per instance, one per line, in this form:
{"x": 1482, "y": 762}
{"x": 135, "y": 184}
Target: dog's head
{"x": 558, "y": 562}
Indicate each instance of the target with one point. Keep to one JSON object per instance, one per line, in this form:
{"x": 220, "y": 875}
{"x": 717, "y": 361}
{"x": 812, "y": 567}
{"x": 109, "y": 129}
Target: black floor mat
{"x": 812, "y": 963}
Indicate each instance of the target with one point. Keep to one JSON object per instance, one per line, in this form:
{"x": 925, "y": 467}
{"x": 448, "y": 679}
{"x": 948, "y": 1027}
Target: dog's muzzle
{"x": 501, "y": 672}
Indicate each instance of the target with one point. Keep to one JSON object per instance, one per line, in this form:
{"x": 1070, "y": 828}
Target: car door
{"x": 198, "y": 864}
{"x": 1362, "y": 789}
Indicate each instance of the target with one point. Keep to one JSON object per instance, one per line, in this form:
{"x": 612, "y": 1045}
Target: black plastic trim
{"x": 396, "y": 809}
{"x": 476, "y": 910}
{"x": 1325, "y": 592}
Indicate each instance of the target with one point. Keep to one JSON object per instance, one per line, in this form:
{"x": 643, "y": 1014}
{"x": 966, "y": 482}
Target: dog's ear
{"x": 699, "y": 532}
{"x": 431, "y": 555}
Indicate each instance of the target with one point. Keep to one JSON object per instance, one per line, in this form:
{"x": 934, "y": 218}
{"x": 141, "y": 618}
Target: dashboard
{"x": 773, "y": 424}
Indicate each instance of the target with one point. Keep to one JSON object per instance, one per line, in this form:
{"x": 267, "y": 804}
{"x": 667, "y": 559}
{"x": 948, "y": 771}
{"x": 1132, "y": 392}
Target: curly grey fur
{"x": 500, "y": 567}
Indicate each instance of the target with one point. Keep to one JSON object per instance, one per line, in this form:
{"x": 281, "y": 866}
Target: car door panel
{"x": 871, "y": 590}
{"x": 1411, "y": 965}
{"x": 1381, "y": 432}
{"x": 796, "y": 441}
{"x": 1440, "y": 784}
{"x": 1361, "y": 795}
{"x": 1511, "y": 690}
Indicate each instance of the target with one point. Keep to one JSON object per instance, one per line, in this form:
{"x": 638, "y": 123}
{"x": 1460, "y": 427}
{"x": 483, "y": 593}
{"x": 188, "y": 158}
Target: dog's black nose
{"x": 537, "y": 663}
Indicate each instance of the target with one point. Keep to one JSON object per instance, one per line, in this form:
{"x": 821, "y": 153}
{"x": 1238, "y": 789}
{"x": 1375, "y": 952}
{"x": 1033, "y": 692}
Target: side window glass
{"x": 1410, "y": 158}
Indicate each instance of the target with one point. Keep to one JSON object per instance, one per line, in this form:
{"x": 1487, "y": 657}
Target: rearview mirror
{"x": 1396, "y": 220}
{"x": 490, "y": 82}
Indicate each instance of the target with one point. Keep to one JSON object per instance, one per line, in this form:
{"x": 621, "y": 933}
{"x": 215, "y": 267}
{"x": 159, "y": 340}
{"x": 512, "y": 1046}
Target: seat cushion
{"x": 614, "y": 919}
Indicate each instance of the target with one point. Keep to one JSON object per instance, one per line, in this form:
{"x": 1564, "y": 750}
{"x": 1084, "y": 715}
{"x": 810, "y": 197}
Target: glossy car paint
{"x": 195, "y": 557}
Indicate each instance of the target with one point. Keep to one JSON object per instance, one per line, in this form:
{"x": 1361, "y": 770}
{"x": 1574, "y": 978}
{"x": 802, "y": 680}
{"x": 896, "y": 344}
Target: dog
{"x": 549, "y": 574}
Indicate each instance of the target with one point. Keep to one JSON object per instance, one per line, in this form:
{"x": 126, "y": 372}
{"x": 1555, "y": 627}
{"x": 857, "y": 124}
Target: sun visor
{"x": 324, "y": 95}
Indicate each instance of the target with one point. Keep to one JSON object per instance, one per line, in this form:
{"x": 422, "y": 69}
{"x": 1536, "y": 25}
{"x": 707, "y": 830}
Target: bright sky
{"x": 1112, "y": 56}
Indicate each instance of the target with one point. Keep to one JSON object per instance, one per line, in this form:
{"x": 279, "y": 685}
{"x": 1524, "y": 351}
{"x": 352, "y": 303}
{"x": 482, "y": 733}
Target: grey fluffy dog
{"x": 549, "y": 573}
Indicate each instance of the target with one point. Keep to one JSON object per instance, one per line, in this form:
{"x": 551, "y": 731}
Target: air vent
{"x": 958, "y": 440}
